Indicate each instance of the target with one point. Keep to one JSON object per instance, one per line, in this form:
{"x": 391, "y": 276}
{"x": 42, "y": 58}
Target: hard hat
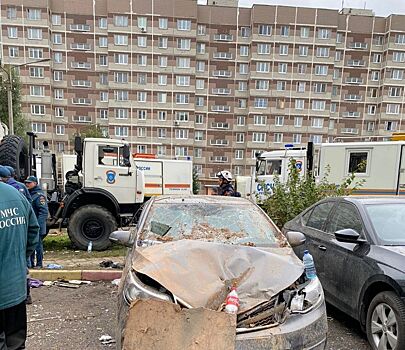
{"x": 225, "y": 174}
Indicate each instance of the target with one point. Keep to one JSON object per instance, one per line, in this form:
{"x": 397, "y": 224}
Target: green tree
{"x": 289, "y": 199}
{"x": 196, "y": 182}
{"x": 93, "y": 130}
{"x": 20, "y": 123}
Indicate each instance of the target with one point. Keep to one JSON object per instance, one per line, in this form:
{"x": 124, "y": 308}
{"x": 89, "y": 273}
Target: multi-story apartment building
{"x": 214, "y": 82}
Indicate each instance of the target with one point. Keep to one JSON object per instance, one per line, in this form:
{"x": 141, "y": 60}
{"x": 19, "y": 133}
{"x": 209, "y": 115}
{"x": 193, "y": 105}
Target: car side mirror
{"x": 121, "y": 237}
{"x": 348, "y": 235}
{"x": 126, "y": 155}
{"x": 295, "y": 238}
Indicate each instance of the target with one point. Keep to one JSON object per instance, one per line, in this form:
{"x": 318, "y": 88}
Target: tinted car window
{"x": 319, "y": 215}
{"x": 345, "y": 216}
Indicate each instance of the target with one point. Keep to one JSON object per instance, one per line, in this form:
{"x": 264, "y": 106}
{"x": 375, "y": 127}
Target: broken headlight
{"x": 308, "y": 297}
{"x": 135, "y": 288}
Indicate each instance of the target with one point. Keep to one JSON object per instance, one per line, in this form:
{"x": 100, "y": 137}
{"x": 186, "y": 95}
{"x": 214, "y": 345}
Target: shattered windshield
{"x": 234, "y": 224}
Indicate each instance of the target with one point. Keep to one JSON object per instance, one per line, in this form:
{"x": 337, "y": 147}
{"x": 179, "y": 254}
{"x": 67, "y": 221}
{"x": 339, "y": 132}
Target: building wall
{"x": 216, "y": 83}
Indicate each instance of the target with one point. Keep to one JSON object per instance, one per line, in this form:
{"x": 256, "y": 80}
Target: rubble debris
{"x": 66, "y": 285}
{"x": 106, "y": 339}
{"x": 116, "y": 282}
{"x": 54, "y": 267}
{"x": 111, "y": 264}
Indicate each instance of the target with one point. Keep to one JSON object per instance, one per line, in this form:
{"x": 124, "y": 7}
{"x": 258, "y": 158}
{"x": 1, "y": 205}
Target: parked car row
{"x": 189, "y": 250}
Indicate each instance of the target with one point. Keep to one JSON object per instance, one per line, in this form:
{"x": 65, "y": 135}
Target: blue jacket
{"x": 20, "y": 187}
{"x": 18, "y": 239}
{"x": 40, "y": 206}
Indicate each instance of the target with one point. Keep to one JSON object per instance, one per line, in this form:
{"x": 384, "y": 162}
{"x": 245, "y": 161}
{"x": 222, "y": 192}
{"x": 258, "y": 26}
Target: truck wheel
{"x": 14, "y": 153}
{"x": 386, "y": 322}
{"x": 91, "y": 223}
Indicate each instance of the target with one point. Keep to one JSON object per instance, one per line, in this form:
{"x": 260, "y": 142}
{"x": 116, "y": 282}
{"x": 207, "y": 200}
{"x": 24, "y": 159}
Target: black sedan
{"x": 358, "y": 245}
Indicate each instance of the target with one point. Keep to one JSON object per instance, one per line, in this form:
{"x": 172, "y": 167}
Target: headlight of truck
{"x": 308, "y": 298}
{"x": 134, "y": 289}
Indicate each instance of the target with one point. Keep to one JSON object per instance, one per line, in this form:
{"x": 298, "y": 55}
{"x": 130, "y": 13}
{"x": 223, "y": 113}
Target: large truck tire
{"x": 14, "y": 153}
{"x": 91, "y": 223}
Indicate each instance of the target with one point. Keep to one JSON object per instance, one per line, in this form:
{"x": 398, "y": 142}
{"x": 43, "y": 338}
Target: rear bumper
{"x": 305, "y": 331}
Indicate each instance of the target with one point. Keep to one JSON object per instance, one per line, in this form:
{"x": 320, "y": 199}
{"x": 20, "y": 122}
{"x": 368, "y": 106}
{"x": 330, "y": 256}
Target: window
{"x": 304, "y": 32}
{"x": 263, "y": 49}
{"x": 58, "y": 94}
{"x": 103, "y": 60}
{"x": 390, "y": 126}
{"x": 243, "y": 68}
{"x": 301, "y": 68}
{"x": 377, "y": 58}
{"x": 142, "y": 22}
{"x": 34, "y": 14}
{"x": 398, "y": 56}
{"x": 182, "y": 98}
{"x": 183, "y": 62}
{"x": 339, "y": 38}
{"x": 318, "y": 215}
{"x": 121, "y": 21}
{"x": 161, "y": 132}
{"x": 262, "y": 85}
{"x": 11, "y": 12}
{"x": 278, "y": 137}
{"x": 183, "y": 24}
{"x": 163, "y": 22}
{"x": 265, "y": 29}
{"x": 299, "y": 104}
{"x": 142, "y": 60}
{"x": 200, "y": 66}
{"x": 245, "y": 32}
{"x": 259, "y": 120}
{"x": 322, "y": 52}
{"x": 36, "y": 72}
{"x": 184, "y": 44}
{"x": 239, "y": 154}
{"x": 60, "y": 130}
{"x": 283, "y": 50}
{"x": 199, "y": 135}
{"x": 39, "y": 128}
{"x": 394, "y": 91}
{"x": 34, "y": 33}
{"x": 317, "y": 122}
{"x": 320, "y": 88}
{"x": 279, "y": 120}
{"x": 298, "y": 122}
{"x": 142, "y": 114}
{"x": 281, "y": 85}
{"x": 122, "y": 95}
{"x": 318, "y": 105}
{"x": 199, "y": 101}
{"x": 161, "y": 97}
{"x": 57, "y": 39}
{"x": 103, "y": 96}
{"x": 36, "y": 90}
{"x": 103, "y": 78}
{"x": 163, "y": 61}
{"x": 397, "y": 74}
{"x": 120, "y": 39}
{"x": 242, "y": 103}
{"x": 370, "y": 126}
{"x": 316, "y": 139}
{"x": 35, "y": 53}
{"x": 321, "y": 70}
{"x": 121, "y": 131}
{"x": 261, "y": 102}
{"x": 244, "y": 50}
{"x": 333, "y": 107}
{"x": 259, "y": 137}
{"x": 301, "y": 86}
{"x": 162, "y": 42}
{"x": 141, "y": 132}
{"x": 297, "y": 138}
{"x": 240, "y": 120}
{"x": 161, "y": 150}
{"x": 303, "y": 51}
{"x": 102, "y": 23}
{"x": 142, "y": 42}
{"x": 199, "y": 84}
{"x": 181, "y": 151}
{"x": 357, "y": 162}
{"x": 282, "y": 68}
{"x": 121, "y": 58}
{"x": 183, "y": 80}
{"x": 263, "y": 67}
{"x": 13, "y": 51}
{"x": 324, "y": 33}
{"x": 103, "y": 113}
{"x": 400, "y": 39}
{"x": 371, "y": 109}
{"x": 57, "y": 57}
{"x": 201, "y": 29}
{"x": 181, "y": 134}
{"x": 346, "y": 216}
{"x": 141, "y": 96}
{"x": 102, "y": 41}
{"x": 285, "y": 31}
{"x": 12, "y": 32}
{"x": 240, "y": 137}
{"x": 141, "y": 149}
{"x": 338, "y": 56}
{"x": 392, "y": 108}
{"x": 199, "y": 119}
{"x": 162, "y": 79}
{"x": 38, "y": 109}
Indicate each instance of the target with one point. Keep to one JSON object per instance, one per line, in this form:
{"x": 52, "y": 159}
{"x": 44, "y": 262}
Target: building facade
{"x": 213, "y": 82}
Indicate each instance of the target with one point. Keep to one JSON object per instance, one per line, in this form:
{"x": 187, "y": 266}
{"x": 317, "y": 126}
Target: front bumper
{"x": 298, "y": 332}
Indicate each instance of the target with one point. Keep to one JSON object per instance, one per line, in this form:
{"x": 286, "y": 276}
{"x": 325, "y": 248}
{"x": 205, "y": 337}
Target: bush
{"x": 289, "y": 199}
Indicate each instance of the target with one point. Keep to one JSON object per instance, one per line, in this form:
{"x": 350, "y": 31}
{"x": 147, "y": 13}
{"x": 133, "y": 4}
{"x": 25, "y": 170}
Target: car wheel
{"x": 386, "y": 322}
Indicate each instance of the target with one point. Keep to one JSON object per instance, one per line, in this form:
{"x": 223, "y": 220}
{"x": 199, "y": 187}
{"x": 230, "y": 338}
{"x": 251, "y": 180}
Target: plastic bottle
{"x": 90, "y": 247}
{"x": 309, "y": 265}
{"x": 232, "y": 302}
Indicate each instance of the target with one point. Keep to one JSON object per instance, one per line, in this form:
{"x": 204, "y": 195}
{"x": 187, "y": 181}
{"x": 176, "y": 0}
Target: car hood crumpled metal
{"x": 200, "y": 273}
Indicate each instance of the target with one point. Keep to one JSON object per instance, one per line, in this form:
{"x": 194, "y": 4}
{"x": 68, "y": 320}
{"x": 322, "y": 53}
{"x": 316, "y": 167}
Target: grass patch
{"x": 59, "y": 246}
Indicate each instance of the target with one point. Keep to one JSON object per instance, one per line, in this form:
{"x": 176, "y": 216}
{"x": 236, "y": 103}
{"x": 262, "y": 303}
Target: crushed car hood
{"x": 200, "y": 273}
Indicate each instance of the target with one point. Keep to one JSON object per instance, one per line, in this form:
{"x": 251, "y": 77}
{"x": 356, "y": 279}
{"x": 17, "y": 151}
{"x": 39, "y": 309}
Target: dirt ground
{"x": 72, "y": 319}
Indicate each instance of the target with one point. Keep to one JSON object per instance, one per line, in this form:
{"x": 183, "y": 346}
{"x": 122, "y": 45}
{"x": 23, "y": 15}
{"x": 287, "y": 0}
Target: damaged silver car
{"x": 187, "y": 253}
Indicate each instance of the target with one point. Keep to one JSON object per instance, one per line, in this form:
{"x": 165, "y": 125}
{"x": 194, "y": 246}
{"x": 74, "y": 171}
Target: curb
{"x": 85, "y": 275}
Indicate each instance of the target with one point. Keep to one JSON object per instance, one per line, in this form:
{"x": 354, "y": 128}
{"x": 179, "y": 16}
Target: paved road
{"x": 68, "y": 319}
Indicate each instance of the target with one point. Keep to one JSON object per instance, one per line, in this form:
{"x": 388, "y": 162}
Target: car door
{"x": 313, "y": 223}
{"x": 345, "y": 265}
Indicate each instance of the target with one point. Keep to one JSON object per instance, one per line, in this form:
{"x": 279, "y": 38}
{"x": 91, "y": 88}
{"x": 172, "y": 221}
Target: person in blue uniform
{"x": 40, "y": 206}
{"x": 9, "y": 179}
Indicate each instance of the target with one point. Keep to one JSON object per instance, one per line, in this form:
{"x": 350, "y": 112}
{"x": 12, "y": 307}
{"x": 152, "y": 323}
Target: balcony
{"x": 219, "y": 159}
{"x": 221, "y": 91}
{"x": 223, "y": 37}
{"x": 220, "y": 142}
{"x": 80, "y": 46}
{"x": 82, "y": 119}
{"x": 356, "y": 63}
{"x": 351, "y": 131}
{"x": 81, "y": 65}
{"x": 81, "y": 83}
{"x": 221, "y": 73}
{"x": 351, "y": 114}
{"x": 220, "y": 125}
{"x": 81, "y": 101}
{"x": 355, "y": 98}
{"x": 358, "y": 46}
{"x": 354, "y": 80}
{"x": 80, "y": 27}
{"x": 220, "y": 108}
{"x": 222, "y": 55}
